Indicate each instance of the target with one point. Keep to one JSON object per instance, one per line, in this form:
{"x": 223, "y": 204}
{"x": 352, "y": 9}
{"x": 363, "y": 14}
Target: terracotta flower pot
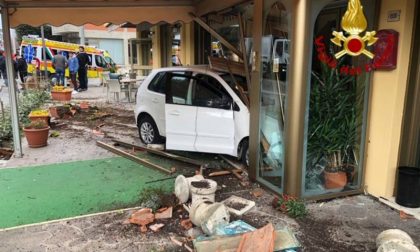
{"x": 335, "y": 180}
{"x": 61, "y": 95}
{"x": 37, "y": 137}
{"x": 54, "y": 112}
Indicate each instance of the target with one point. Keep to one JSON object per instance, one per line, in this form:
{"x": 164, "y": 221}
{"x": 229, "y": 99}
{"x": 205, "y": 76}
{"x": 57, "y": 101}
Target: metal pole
{"x": 82, "y": 35}
{"x": 44, "y": 54}
{"x": 11, "y": 83}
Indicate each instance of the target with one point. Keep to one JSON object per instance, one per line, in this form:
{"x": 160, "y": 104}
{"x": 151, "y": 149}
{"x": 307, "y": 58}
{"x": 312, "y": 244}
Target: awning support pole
{"x": 44, "y": 55}
{"x": 11, "y": 83}
{"x": 217, "y": 35}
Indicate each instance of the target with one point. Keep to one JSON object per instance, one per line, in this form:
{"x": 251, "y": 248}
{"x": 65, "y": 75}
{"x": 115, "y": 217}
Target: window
{"x": 236, "y": 80}
{"x": 90, "y": 59}
{"x": 100, "y": 61}
{"x": 210, "y": 93}
{"x": 158, "y": 83}
{"x": 48, "y": 54}
{"x": 178, "y": 89}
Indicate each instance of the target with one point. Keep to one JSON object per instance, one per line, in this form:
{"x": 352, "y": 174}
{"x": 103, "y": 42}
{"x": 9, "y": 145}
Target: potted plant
{"x": 37, "y": 133}
{"x": 39, "y": 114}
{"x": 60, "y": 93}
{"x": 333, "y": 125}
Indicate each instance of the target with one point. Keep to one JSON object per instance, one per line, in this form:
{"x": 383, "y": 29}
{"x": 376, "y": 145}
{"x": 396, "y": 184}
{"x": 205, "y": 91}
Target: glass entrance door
{"x": 337, "y": 104}
{"x": 274, "y": 81}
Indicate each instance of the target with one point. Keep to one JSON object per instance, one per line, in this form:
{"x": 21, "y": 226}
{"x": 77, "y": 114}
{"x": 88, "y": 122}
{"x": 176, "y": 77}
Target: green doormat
{"x": 49, "y": 192}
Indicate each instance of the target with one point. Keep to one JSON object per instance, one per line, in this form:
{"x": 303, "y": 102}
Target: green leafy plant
{"x": 290, "y": 205}
{"x": 27, "y": 101}
{"x": 155, "y": 198}
{"x": 37, "y": 124}
{"x": 333, "y": 118}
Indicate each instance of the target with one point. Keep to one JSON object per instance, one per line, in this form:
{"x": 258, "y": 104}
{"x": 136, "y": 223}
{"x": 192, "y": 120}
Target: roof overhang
{"x": 78, "y": 12}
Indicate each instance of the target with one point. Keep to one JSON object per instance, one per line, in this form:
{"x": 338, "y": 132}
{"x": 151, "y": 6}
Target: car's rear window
{"x": 158, "y": 83}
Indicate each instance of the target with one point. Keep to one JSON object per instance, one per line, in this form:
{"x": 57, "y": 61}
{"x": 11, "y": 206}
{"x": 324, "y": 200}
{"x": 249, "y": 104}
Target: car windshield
{"x": 233, "y": 80}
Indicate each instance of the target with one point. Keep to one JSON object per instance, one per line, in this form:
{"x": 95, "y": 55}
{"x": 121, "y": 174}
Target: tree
{"x": 23, "y": 30}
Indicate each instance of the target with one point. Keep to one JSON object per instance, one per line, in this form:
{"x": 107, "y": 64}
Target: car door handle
{"x": 155, "y": 100}
{"x": 174, "y": 112}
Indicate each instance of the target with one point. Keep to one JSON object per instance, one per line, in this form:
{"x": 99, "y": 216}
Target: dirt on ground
{"x": 346, "y": 224}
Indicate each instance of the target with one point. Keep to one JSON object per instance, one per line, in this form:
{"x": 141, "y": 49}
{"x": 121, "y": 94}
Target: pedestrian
{"x": 73, "y": 69}
{"x": 83, "y": 67}
{"x": 22, "y": 68}
{"x": 3, "y": 68}
{"x": 59, "y": 63}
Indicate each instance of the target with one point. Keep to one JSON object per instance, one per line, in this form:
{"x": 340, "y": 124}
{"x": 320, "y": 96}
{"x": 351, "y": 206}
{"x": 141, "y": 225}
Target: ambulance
{"x": 31, "y": 49}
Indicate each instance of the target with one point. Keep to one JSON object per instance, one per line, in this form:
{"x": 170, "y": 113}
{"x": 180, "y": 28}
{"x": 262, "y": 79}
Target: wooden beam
{"x": 216, "y": 35}
{"x": 132, "y": 157}
{"x": 221, "y": 173}
{"x": 244, "y": 58}
{"x": 224, "y": 65}
{"x": 232, "y": 163}
{"x": 160, "y": 153}
{"x": 235, "y": 172}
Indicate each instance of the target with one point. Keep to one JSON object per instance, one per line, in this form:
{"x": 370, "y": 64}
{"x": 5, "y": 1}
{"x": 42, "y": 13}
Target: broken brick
{"x": 164, "y": 213}
{"x": 261, "y": 240}
{"x": 142, "y": 217}
{"x": 156, "y": 227}
{"x": 257, "y": 192}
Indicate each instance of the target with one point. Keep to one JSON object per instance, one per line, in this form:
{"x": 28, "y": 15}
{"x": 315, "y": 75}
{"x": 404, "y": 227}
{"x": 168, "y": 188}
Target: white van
{"x": 193, "y": 109}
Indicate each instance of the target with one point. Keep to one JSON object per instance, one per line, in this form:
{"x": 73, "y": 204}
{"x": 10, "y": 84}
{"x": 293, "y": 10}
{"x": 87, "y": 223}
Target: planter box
{"x": 46, "y": 119}
{"x": 61, "y": 95}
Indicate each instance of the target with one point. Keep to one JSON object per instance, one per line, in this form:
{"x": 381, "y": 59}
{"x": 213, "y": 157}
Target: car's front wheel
{"x": 148, "y": 131}
{"x": 245, "y": 153}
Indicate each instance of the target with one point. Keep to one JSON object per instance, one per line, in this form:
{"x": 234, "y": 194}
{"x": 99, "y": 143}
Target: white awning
{"x": 98, "y": 12}
{"x": 100, "y": 15}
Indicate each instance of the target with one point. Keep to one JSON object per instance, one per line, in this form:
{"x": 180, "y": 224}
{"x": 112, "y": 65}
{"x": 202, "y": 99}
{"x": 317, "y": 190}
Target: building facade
{"x": 115, "y": 41}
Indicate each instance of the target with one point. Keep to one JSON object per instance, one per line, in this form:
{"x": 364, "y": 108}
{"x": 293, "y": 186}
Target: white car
{"x": 193, "y": 109}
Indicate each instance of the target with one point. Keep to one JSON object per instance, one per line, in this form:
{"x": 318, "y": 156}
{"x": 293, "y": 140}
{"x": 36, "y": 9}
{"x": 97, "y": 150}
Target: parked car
{"x": 193, "y": 109}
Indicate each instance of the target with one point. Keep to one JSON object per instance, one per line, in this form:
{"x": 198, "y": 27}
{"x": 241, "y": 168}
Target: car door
{"x": 215, "y": 122}
{"x": 154, "y": 99}
{"x": 180, "y": 115}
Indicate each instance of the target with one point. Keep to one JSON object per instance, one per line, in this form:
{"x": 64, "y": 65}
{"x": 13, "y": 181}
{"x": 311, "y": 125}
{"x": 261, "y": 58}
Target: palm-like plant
{"x": 333, "y": 118}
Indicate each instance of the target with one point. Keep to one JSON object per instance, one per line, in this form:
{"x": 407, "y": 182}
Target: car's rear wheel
{"x": 148, "y": 132}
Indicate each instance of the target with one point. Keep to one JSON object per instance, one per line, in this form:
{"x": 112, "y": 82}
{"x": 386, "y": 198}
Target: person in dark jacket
{"x": 83, "y": 67}
{"x": 22, "y": 68}
{"x": 3, "y": 69}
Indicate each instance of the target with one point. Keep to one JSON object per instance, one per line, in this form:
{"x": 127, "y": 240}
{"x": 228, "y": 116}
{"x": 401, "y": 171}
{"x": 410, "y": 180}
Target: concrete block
{"x": 392, "y": 234}
{"x": 397, "y": 246}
